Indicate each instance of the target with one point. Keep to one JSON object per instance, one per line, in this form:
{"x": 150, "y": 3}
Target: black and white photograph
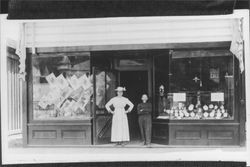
{"x": 112, "y": 81}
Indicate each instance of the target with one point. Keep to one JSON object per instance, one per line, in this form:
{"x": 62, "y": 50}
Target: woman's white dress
{"x": 119, "y": 129}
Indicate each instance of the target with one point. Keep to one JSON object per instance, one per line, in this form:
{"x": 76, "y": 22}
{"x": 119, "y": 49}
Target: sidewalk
{"x": 62, "y": 154}
{"x": 130, "y": 152}
{"x": 133, "y": 151}
{"x": 15, "y": 141}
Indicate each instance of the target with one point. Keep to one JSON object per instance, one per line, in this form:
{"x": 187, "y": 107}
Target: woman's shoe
{"x": 118, "y": 144}
{"x": 123, "y": 144}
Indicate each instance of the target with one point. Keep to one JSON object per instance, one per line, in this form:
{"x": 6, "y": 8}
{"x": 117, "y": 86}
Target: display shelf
{"x": 203, "y": 105}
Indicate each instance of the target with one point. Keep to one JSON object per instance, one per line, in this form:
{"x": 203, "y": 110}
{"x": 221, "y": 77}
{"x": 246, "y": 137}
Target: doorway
{"x": 136, "y": 83}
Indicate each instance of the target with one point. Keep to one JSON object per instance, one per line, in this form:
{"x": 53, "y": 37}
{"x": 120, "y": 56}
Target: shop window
{"x": 62, "y": 86}
{"x": 200, "y": 85}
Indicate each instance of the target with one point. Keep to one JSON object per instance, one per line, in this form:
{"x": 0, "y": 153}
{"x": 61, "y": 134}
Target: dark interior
{"x": 136, "y": 83}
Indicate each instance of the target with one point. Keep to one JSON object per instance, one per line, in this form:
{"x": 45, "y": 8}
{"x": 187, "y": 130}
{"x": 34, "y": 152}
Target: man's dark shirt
{"x": 144, "y": 108}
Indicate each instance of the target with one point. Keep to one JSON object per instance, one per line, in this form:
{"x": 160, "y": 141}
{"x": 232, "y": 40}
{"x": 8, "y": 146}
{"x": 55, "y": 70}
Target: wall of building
{"x": 116, "y": 31}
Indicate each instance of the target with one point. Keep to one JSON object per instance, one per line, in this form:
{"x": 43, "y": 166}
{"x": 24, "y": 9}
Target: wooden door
{"x": 104, "y": 83}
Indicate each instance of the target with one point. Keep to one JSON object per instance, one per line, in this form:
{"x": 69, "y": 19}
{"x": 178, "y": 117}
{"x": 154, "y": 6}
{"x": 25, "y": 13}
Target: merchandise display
{"x": 65, "y": 98}
{"x": 195, "y": 110}
{"x": 197, "y": 113}
{"x": 196, "y": 87}
{"x": 60, "y": 90}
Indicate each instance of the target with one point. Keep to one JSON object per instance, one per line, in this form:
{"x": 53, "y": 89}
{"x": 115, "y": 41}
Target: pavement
{"x": 132, "y": 151}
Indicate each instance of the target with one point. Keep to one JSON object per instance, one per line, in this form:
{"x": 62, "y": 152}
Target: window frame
{"x": 236, "y": 102}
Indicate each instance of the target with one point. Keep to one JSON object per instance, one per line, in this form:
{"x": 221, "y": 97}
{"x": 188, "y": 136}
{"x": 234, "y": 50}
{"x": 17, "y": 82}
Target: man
{"x": 144, "y": 111}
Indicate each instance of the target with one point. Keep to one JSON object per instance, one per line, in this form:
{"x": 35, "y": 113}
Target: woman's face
{"x": 119, "y": 93}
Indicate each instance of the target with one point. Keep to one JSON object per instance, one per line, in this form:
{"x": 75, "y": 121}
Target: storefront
{"x": 194, "y": 81}
{"x": 194, "y": 94}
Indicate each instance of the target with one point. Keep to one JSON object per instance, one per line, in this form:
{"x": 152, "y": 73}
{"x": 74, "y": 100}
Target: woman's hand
{"x": 112, "y": 112}
{"x": 127, "y": 111}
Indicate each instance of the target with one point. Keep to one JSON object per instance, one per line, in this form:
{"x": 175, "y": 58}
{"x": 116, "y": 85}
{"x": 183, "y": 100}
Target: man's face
{"x": 144, "y": 98}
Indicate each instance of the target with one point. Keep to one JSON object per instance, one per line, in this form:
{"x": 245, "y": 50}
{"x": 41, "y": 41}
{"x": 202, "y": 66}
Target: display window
{"x": 195, "y": 85}
{"x": 62, "y": 87}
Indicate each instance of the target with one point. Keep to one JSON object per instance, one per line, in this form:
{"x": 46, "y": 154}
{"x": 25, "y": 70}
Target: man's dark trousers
{"x": 145, "y": 124}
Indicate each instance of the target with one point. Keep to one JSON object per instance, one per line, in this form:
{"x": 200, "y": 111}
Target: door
{"x": 104, "y": 83}
{"x": 136, "y": 83}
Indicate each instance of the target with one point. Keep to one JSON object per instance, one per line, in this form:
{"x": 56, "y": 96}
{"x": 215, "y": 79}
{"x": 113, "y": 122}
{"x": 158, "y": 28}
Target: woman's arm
{"x": 130, "y": 104}
{"x": 107, "y": 106}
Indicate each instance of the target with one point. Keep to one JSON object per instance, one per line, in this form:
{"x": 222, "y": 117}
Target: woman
{"x": 144, "y": 110}
{"x": 119, "y": 129}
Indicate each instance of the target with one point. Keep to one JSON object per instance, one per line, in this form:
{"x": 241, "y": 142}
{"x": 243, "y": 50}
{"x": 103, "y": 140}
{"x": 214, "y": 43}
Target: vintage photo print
{"x": 125, "y": 81}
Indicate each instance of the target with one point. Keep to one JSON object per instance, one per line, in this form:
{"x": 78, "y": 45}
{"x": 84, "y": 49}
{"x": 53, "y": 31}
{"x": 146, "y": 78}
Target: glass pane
{"x": 132, "y": 63}
{"x": 104, "y": 89}
{"x": 200, "y": 88}
{"x": 100, "y": 89}
{"x": 111, "y": 85}
{"x": 62, "y": 87}
{"x": 161, "y": 83}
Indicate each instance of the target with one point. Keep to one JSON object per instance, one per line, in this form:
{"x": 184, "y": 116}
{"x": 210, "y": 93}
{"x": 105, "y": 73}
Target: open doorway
{"x": 136, "y": 83}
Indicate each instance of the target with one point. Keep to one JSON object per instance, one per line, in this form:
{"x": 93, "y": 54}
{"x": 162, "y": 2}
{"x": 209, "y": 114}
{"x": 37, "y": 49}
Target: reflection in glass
{"x": 102, "y": 85}
{"x": 105, "y": 85}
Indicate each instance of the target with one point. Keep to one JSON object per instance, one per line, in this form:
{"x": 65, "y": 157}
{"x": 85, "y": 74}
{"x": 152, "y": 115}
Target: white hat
{"x": 120, "y": 89}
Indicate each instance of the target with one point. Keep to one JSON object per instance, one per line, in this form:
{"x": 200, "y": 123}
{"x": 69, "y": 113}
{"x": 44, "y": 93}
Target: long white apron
{"x": 119, "y": 129}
